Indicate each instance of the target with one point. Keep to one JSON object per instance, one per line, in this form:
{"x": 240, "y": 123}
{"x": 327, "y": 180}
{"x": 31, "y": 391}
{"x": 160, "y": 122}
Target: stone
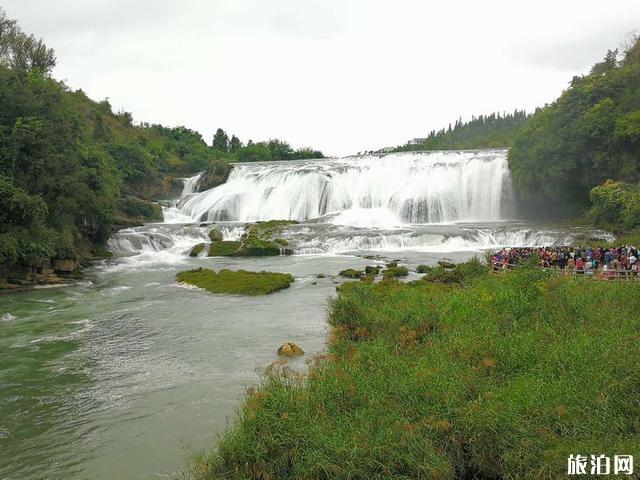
{"x": 215, "y": 235}
{"x": 290, "y": 349}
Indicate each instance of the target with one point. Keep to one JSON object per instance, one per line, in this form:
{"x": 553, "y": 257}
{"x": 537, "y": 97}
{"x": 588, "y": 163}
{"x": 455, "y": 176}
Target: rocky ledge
{"x": 13, "y": 277}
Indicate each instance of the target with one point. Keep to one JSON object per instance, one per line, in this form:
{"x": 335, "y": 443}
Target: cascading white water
{"x": 421, "y": 201}
{"x": 172, "y": 214}
{"x": 190, "y": 185}
{"x": 372, "y": 190}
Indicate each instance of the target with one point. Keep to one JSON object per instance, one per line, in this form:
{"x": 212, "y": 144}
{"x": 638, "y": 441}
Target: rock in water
{"x": 290, "y": 349}
{"x": 215, "y": 235}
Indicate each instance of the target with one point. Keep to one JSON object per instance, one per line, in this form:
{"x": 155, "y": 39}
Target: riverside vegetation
{"x": 484, "y": 376}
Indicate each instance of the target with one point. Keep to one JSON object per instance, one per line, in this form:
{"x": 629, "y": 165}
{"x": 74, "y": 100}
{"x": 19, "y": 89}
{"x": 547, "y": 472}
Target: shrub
{"x": 616, "y": 205}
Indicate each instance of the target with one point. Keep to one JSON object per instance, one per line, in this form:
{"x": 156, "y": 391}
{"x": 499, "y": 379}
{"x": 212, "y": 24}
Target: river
{"x": 124, "y": 373}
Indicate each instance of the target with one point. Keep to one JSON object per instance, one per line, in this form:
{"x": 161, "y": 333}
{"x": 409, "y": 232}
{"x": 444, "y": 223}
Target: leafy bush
{"x": 616, "y": 205}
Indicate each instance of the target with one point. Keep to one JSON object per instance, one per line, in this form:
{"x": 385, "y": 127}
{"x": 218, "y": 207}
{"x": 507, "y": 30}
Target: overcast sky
{"x": 339, "y": 75}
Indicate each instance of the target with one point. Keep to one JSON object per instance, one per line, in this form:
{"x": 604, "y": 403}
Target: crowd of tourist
{"x": 611, "y": 262}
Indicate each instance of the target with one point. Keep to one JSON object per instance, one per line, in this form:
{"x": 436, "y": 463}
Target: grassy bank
{"x": 240, "y": 282}
{"x": 502, "y": 378}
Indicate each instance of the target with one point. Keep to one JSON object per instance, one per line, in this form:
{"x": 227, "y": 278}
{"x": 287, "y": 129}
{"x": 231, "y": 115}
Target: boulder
{"x": 290, "y": 349}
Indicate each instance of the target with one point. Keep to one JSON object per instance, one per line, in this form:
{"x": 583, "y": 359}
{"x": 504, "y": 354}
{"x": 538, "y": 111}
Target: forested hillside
{"x": 71, "y": 168}
{"x": 485, "y": 131}
{"x": 587, "y": 136}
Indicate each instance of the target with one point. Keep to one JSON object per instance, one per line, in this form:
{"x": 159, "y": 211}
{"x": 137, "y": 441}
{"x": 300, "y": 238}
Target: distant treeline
{"x": 233, "y": 149}
{"x": 486, "y": 131}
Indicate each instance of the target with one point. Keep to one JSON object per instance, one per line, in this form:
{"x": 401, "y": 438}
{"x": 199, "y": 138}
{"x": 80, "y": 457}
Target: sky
{"x": 340, "y": 75}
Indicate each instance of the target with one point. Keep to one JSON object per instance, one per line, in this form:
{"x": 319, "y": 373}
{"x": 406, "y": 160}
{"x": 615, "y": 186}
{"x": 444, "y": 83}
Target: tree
{"x": 235, "y": 144}
{"x": 220, "y": 141}
{"x": 591, "y": 133}
{"x": 23, "y": 52}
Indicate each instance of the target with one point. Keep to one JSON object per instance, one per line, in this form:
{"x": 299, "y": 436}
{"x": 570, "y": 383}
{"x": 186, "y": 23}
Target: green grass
{"x": 236, "y": 282}
{"x": 500, "y": 379}
{"x": 460, "y": 273}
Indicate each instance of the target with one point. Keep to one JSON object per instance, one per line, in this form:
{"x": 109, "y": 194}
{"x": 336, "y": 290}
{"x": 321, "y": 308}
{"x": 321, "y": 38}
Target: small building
{"x": 416, "y": 141}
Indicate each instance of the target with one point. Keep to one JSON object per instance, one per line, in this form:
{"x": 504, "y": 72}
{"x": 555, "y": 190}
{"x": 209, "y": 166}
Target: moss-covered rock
{"x": 257, "y": 247}
{"x": 268, "y": 229}
{"x": 350, "y": 273}
{"x": 215, "y": 235}
{"x": 236, "y": 282}
{"x": 225, "y": 248}
{"x": 197, "y": 250}
{"x": 372, "y": 269}
{"x": 282, "y": 241}
{"x": 395, "y": 272}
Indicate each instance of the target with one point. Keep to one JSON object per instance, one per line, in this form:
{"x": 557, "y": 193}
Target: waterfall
{"x": 370, "y": 190}
{"x": 444, "y": 201}
{"x": 171, "y": 213}
{"x": 190, "y": 185}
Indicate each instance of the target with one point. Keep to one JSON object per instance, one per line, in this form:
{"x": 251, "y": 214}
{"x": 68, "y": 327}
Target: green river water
{"x": 122, "y": 375}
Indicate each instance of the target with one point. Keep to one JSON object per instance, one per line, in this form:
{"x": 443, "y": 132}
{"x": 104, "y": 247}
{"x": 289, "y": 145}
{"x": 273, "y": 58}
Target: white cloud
{"x": 340, "y": 75}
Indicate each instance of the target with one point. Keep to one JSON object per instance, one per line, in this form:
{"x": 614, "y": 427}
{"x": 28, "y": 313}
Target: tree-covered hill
{"x": 71, "y": 168}
{"x": 588, "y": 135}
{"x": 485, "y": 131}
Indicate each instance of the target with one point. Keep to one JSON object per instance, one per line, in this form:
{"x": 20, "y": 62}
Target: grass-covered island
{"x": 241, "y": 282}
{"x": 491, "y": 376}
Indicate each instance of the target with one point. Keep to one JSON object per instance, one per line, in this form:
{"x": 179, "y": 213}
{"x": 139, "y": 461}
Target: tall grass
{"x": 503, "y": 378}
